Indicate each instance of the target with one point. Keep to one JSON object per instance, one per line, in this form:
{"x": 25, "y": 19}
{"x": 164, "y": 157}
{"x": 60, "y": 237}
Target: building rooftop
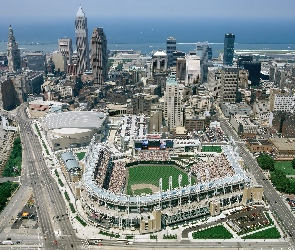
{"x": 258, "y": 142}
{"x": 75, "y": 119}
{"x": 160, "y": 53}
{"x": 172, "y": 80}
{"x": 70, "y": 161}
{"x": 80, "y": 12}
{"x": 240, "y": 105}
{"x": 244, "y": 120}
{"x": 284, "y": 144}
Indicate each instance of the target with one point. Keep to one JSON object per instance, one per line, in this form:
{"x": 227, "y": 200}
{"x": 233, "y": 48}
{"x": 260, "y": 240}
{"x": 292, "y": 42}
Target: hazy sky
{"x": 57, "y": 9}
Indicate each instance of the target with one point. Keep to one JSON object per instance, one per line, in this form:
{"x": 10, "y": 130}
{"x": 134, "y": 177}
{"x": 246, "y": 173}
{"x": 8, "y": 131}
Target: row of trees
{"x": 281, "y": 182}
{"x": 6, "y": 189}
{"x": 13, "y": 165}
{"x": 277, "y": 176}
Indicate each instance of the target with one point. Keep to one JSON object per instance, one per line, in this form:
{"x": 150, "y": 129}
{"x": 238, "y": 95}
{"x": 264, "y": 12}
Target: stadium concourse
{"x": 208, "y": 183}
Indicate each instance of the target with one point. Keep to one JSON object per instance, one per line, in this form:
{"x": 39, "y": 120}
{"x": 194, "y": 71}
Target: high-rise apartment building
{"x": 82, "y": 42}
{"x": 99, "y": 60}
{"x": 170, "y": 48}
{"x": 172, "y": 103}
{"x": 229, "y": 84}
{"x": 65, "y": 48}
{"x": 13, "y": 52}
{"x": 228, "y": 54}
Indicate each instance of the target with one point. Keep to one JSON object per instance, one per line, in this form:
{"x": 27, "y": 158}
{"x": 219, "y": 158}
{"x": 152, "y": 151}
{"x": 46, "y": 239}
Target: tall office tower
{"x": 172, "y": 103}
{"x": 99, "y": 60}
{"x": 13, "y": 52}
{"x": 242, "y": 59}
{"x": 193, "y": 69}
{"x": 65, "y": 48}
{"x": 205, "y": 53}
{"x": 82, "y": 42}
{"x": 228, "y": 54}
{"x": 229, "y": 84}
{"x": 170, "y": 48}
{"x": 254, "y": 69}
{"x": 159, "y": 62}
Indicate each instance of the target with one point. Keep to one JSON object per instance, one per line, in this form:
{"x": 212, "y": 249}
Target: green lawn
{"x": 217, "y": 232}
{"x": 152, "y": 174}
{"x": 80, "y": 155}
{"x": 211, "y": 149}
{"x": 142, "y": 191}
{"x": 285, "y": 166}
{"x": 270, "y": 233}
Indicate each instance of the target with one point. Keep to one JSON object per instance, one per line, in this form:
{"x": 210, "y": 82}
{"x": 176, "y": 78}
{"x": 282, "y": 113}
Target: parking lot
{"x": 26, "y": 218}
{"x": 248, "y": 218}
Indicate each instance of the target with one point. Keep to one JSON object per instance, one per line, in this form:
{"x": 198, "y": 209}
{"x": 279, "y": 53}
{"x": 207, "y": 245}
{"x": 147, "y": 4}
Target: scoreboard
{"x": 153, "y": 144}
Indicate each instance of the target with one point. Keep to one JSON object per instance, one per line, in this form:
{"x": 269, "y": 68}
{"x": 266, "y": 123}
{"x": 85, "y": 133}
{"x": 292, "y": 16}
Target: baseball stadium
{"x": 155, "y": 188}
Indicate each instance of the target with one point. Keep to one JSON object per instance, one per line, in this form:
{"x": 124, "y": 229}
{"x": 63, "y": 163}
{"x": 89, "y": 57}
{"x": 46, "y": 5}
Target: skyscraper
{"x": 82, "y": 41}
{"x": 99, "y": 60}
{"x": 65, "y": 47}
{"x": 13, "y": 52}
{"x": 229, "y": 84}
{"x": 228, "y": 54}
{"x": 170, "y": 48}
{"x": 172, "y": 103}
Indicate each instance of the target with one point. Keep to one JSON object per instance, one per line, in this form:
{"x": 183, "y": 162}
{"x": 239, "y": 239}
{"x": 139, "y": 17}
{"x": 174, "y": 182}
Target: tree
{"x": 293, "y": 163}
{"x": 266, "y": 162}
{"x": 281, "y": 182}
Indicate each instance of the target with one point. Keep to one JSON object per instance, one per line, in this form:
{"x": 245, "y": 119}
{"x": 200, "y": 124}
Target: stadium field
{"x": 152, "y": 174}
{"x": 216, "y": 149}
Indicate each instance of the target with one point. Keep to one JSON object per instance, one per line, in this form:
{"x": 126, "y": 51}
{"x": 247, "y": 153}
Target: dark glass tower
{"x": 170, "y": 48}
{"x": 99, "y": 57}
{"x": 229, "y": 44}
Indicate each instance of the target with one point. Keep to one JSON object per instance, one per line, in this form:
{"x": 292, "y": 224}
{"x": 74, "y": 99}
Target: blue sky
{"x": 129, "y": 21}
{"x": 58, "y": 9}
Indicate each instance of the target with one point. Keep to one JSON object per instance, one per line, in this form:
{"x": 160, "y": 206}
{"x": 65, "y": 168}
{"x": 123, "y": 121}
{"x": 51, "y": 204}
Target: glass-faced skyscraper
{"x": 229, "y": 44}
{"x": 82, "y": 42}
{"x": 170, "y": 48}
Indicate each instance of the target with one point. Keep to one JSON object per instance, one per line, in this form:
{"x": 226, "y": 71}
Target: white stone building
{"x": 193, "y": 69}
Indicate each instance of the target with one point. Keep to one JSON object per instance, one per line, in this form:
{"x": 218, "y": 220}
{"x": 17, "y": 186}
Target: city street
{"x": 274, "y": 199}
{"x": 55, "y": 234}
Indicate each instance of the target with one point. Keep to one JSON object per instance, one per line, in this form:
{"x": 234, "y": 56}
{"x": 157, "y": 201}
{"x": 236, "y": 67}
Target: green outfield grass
{"x": 217, "y": 232}
{"x": 80, "y": 155}
{"x": 211, "y": 149}
{"x": 270, "y": 233}
{"x": 285, "y": 166}
{"x": 152, "y": 174}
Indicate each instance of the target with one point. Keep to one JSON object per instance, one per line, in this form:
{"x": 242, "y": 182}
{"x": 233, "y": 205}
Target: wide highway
{"x": 57, "y": 233}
